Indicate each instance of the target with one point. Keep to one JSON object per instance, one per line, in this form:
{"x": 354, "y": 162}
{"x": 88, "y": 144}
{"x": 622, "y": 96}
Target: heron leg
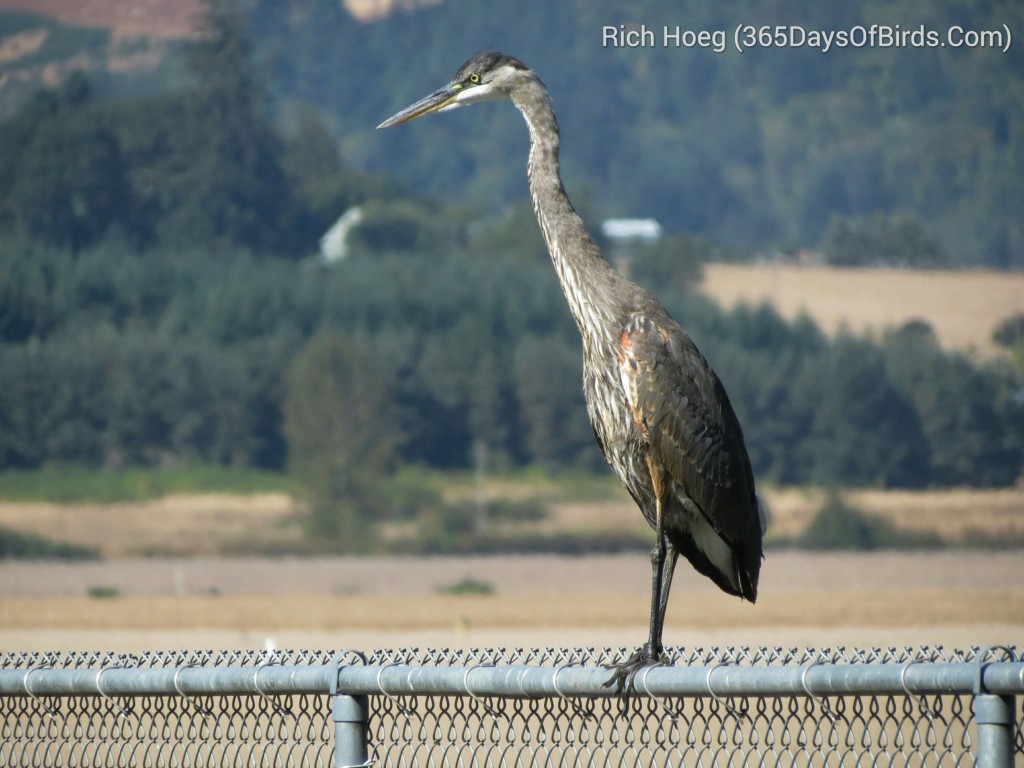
{"x": 663, "y": 563}
{"x": 662, "y": 577}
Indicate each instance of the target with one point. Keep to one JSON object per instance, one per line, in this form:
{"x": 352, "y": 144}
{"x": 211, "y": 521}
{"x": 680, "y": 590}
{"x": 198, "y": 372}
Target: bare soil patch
{"x": 962, "y": 306}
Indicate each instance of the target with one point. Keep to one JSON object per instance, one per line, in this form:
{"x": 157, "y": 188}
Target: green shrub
{"x": 71, "y": 484}
{"x": 521, "y": 511}
{"x": 15, "y": 545}
{"x": 837, "y": 525}
{"x": 467, "y": 586}
{"x": 103, "y": 592}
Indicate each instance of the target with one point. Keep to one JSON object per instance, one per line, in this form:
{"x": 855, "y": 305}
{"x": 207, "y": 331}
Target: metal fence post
{"x": 994, "y": 717}
{"x": 351, "y": 716}
{"x": 351, "y": 725}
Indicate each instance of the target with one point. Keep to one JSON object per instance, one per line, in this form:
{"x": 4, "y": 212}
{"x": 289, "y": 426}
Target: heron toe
{"x": 624, "y": 674}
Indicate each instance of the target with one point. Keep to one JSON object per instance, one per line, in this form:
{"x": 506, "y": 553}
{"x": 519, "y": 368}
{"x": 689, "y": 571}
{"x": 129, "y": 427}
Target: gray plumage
{"x": 660, "y": 414}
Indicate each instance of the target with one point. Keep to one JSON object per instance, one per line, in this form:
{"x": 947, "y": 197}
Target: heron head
{"x": 486, "y": 76}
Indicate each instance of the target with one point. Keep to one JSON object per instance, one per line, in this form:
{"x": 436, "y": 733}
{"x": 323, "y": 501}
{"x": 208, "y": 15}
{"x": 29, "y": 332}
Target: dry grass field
{"x": 216, "y": 524}
{"x": 181, "y": 524}
{"x": 962, "y": 306}
{"x": 204, "y": 600}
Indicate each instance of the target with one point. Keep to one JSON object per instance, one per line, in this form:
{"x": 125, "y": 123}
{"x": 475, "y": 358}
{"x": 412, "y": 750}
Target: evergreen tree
{"x": 865, "y": 432}
{"x": 342, "y": 435}
{"x": 232, "y": 188}
{"x": 63, "y": 180}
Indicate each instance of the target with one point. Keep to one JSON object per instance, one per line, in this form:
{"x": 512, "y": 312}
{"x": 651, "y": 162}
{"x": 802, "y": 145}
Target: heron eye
{"x": 474, "y": 78}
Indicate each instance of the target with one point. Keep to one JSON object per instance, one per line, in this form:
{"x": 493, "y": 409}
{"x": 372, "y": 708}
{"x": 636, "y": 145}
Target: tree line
{"x": 112, "y": 356}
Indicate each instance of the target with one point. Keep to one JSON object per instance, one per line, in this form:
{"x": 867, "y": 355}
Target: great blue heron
{"x": 660, "y": 414}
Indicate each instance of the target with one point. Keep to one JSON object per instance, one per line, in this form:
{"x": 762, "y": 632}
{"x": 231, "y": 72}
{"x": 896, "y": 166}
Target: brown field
{"x": 215, "y": 524}
{"x": 962, "y": 306}
{"x": 957, "y": 598}
{"x": 204, "y": 600}
{"x": 183, "y": 524}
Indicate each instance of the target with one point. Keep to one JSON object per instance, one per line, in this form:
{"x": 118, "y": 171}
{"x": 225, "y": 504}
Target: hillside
{"x": 156, "y": 18}
{"x": 778, "y": 147}
{"x": 962, "y": 307}
{"x": 125, "y": 18}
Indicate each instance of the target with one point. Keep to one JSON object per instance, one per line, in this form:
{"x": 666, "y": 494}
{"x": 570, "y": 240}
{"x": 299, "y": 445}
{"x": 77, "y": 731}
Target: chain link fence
{"x": 529, "y": 707}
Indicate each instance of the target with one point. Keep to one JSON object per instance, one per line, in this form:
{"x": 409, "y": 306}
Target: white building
{"x": 332, "y": 245}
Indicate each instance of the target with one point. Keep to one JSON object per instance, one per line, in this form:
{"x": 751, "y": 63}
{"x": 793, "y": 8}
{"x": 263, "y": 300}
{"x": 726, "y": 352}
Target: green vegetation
{"x": 122, "y": 359}
{"x": 15, "y": 545}
{"x": 837, "y": 525}
{"x": 1009, "y": 334}
{"x": 342, "y": 431}
{"x": 82, "y": 484}
{"x": 103, "y": 592}
{"x": 522, "y": 511}
{"x": 897, "y": 240}
{"x": 467, "y": 586}
{"x": 988, "y": 540}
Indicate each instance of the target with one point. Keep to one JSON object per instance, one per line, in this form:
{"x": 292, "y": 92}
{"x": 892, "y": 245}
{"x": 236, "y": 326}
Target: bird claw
{"x": 625, "y": 673}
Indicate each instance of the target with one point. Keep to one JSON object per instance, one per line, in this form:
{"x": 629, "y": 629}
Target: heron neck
{"x": 587, "y": 280}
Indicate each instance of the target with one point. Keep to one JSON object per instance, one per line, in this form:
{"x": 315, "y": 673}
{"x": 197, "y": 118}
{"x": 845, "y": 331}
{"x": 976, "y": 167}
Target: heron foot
{"x": 625, "y": 673}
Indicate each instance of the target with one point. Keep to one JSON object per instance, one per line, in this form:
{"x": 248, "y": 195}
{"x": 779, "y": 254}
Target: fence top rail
{"x": 540, "y": 656}
{"x": 987, "y": 674}
{"x": 694, "y": 656}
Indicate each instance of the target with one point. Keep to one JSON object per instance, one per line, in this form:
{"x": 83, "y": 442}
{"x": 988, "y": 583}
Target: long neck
{"x": 587, "y": 280}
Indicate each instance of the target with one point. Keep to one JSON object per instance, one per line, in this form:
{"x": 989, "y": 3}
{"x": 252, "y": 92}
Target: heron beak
{"x": 439, "y": 100}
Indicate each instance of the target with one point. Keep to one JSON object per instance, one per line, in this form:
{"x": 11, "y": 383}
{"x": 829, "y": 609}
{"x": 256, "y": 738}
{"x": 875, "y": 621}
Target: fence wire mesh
{"x": 895, "y": 729}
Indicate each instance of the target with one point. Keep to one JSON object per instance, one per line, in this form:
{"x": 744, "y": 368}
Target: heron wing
{"x": 693, "y": 434}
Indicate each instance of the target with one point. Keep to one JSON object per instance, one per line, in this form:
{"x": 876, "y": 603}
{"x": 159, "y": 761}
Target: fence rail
{"x": 525, "y": 706}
